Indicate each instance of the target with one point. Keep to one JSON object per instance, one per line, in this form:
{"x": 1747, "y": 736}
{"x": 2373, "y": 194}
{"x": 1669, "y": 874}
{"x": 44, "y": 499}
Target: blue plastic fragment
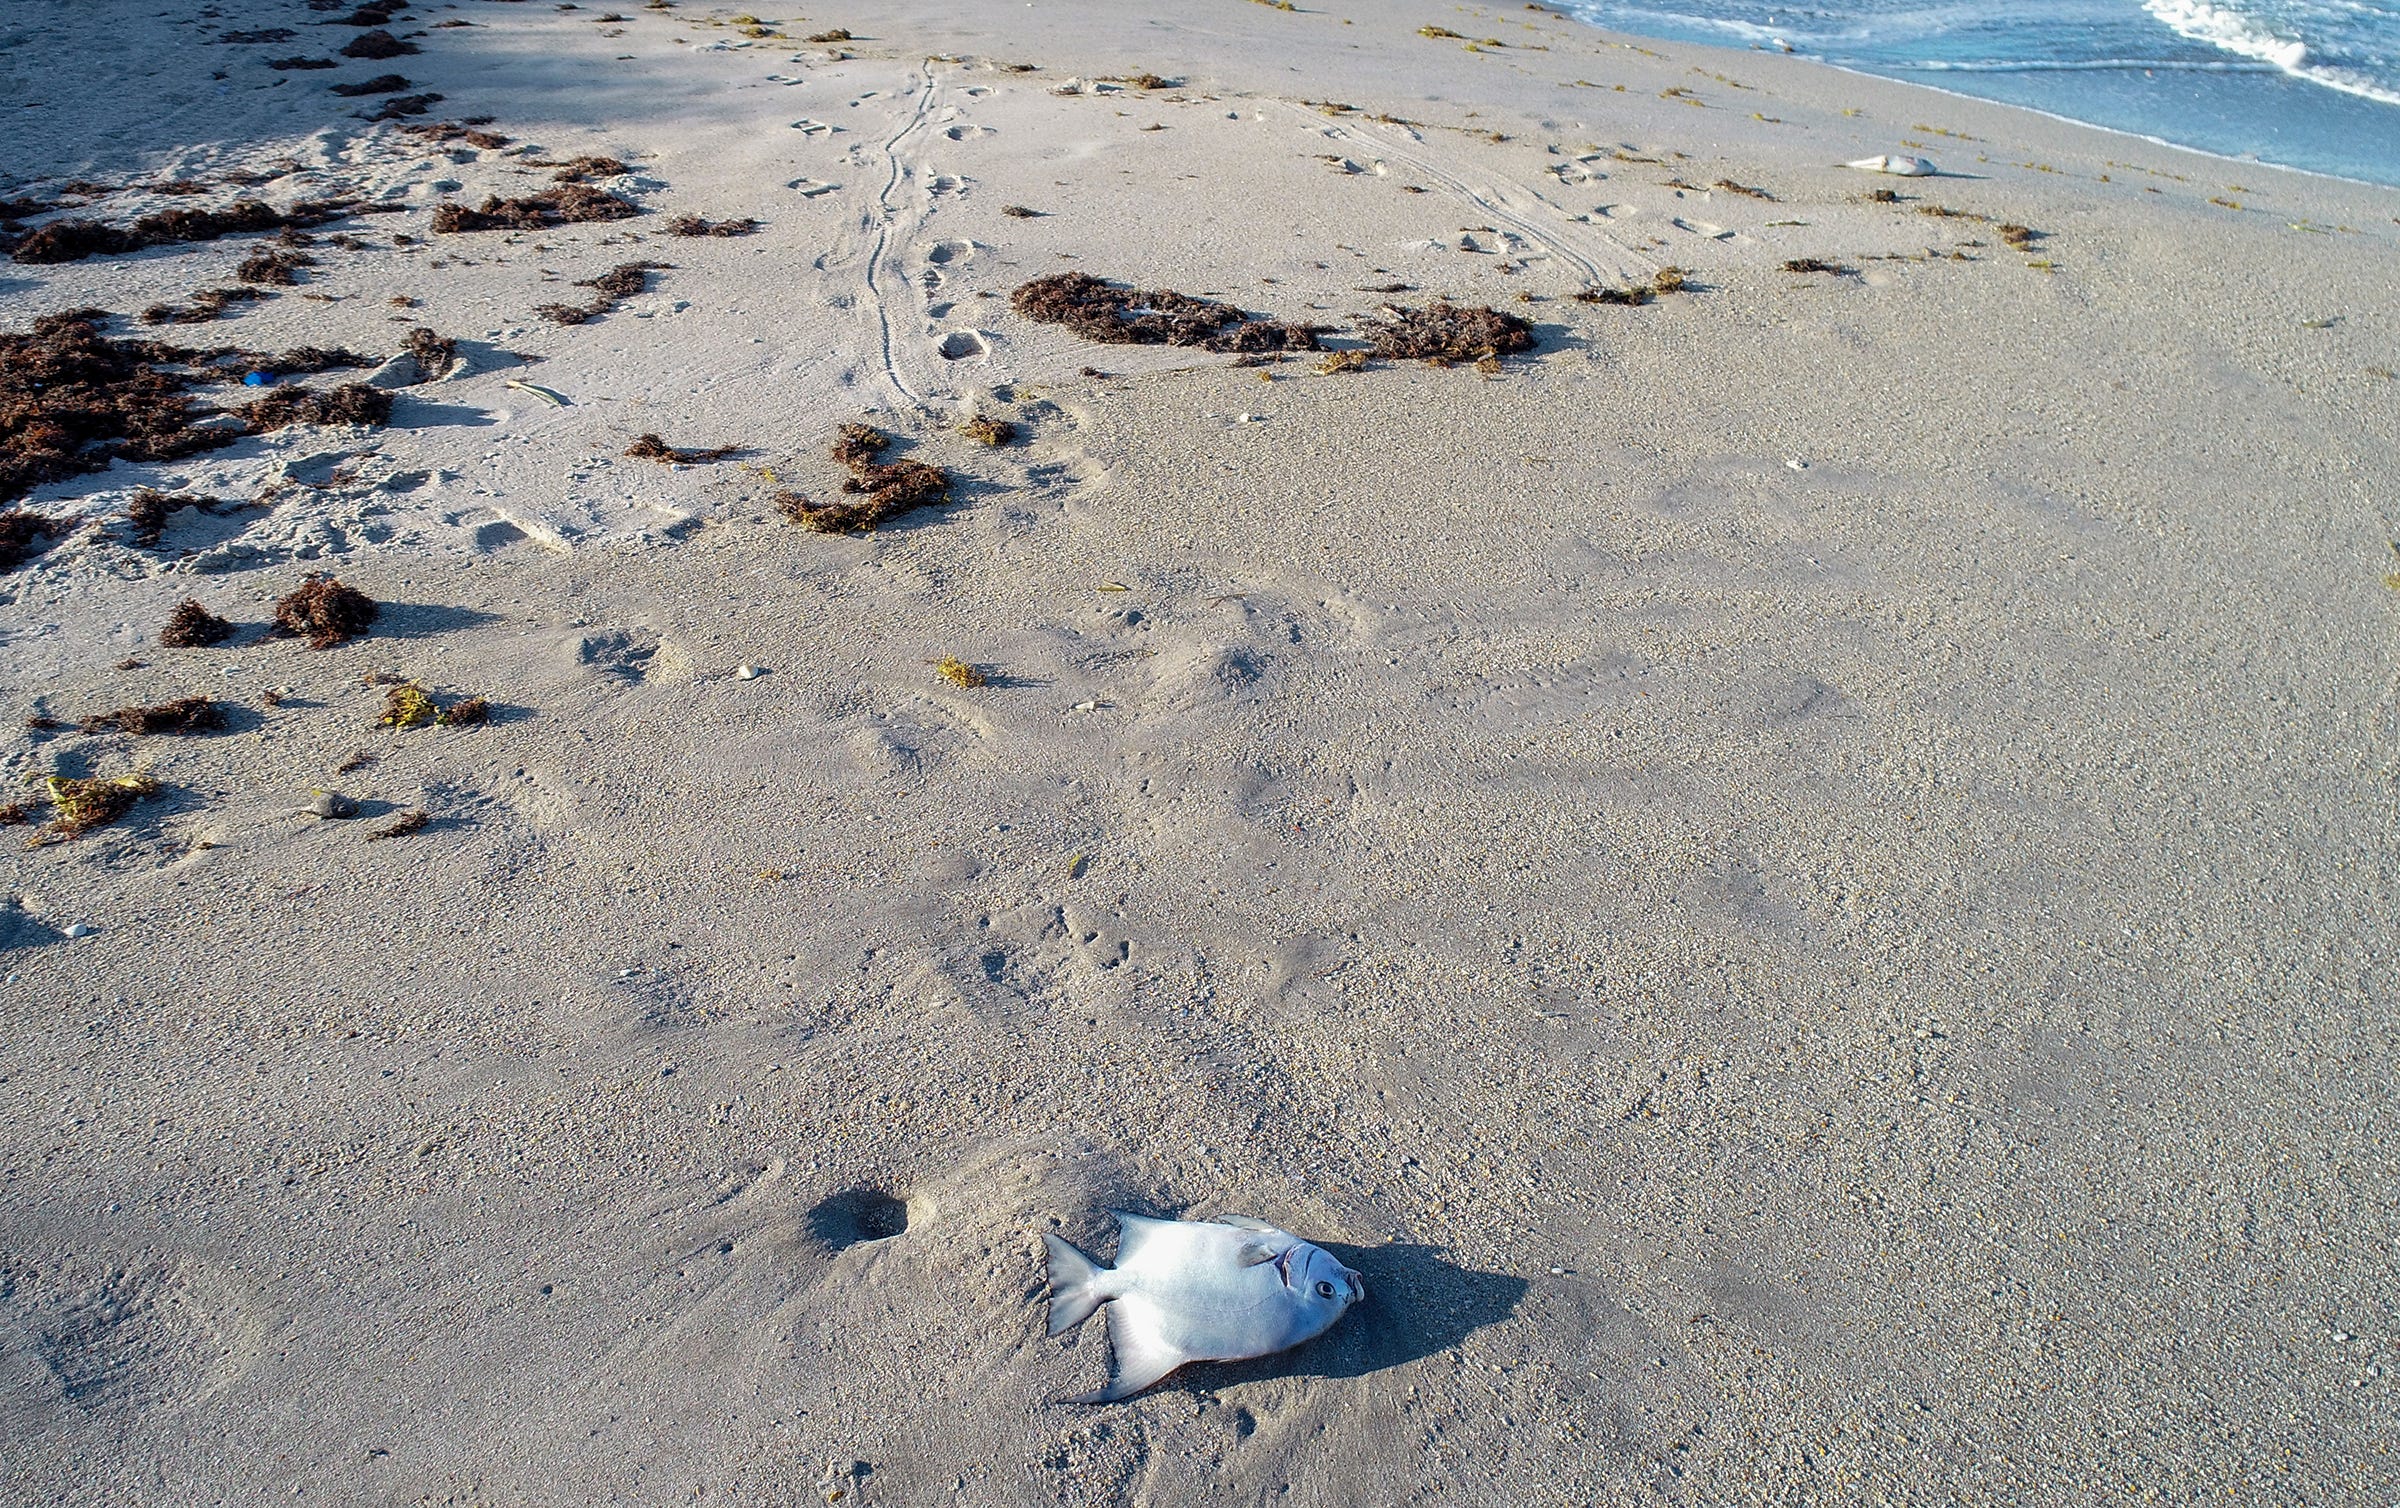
{"x": 259, "y": 379}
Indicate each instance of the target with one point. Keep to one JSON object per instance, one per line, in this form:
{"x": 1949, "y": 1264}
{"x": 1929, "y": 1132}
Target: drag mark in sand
{"x": 896, "y": 164}
{"x": 1507, "y": 204}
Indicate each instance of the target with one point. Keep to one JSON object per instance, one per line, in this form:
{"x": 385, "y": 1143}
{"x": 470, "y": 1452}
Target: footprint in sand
{"x": 943, "y": 253}
{"x": 945, "y": 183}
{"x": 1702, "y": 228}
{"x": 968, "y": 133}
{"x": 814, "y": 128}
{"x": 809, "y": 188}
{"x": 940, "y": 310}
{"x": 959, "y": 345}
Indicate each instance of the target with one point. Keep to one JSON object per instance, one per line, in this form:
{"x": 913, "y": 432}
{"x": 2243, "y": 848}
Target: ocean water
{"x": 2311, "y": 84}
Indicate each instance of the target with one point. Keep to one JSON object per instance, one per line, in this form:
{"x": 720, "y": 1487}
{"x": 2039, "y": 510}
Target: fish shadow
{"x": 1417, "y": 1305}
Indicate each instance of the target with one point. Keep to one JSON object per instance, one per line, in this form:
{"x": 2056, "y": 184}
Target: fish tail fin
{"x": 1075, "y": 1289}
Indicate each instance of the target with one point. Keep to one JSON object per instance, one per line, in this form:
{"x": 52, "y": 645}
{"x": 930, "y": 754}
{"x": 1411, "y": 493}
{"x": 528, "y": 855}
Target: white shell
{"x": 1899, "y": 167}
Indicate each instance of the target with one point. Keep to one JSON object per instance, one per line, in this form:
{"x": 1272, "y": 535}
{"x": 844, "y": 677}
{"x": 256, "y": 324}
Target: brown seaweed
{"x": 377, "y": 45}
{"x": 191, "y": 714}
{"x": 324, "y": 611}
{"x": 72, "y": 400}
{"x": 350, "y": 403}
{"x": 192, "y": 626}
{"x": 1444, "y": 332}
{"x": 693, "y": 225}
{"x": 652, "y": 448}
{"x": 1116, "y": 315}
{"x": 567, "y": 204}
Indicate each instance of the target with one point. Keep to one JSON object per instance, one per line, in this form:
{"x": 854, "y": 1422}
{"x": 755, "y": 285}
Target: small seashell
{"x": 332, "y": 805}
{"x": 78, "y": 929}
{"x": 748, "y": 673}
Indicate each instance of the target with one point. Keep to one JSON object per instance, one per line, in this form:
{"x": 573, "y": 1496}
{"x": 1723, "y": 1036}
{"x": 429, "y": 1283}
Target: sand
{"x": 1801, "y": 877}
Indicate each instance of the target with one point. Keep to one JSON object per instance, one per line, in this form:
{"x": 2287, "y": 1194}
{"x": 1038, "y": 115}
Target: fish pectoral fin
{"x": 1137, "y": 1357}
{"x": 1244, "y": 1222}
{"x": 1252, "y": 1253}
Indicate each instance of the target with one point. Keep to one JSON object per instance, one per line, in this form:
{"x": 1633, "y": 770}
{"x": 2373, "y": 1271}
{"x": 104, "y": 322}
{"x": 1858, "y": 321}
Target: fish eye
{"x": 1324, "y": 1290}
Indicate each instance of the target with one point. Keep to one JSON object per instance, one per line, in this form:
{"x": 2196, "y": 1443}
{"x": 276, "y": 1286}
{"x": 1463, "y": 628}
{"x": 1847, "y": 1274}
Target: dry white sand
{"x": 1802, "y": 878}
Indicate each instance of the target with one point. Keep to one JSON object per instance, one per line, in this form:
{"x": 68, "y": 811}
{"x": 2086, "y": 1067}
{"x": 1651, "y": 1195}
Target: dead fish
{"x": 1895, "y": 164}
{"x": 1193, "y": 1290}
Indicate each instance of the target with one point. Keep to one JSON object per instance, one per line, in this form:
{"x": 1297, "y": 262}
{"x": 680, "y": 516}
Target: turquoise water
{"x": 2311, "y": 84}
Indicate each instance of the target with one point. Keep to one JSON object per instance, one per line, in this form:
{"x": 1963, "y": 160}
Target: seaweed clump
{"x": 959, "y": 673}
{"x": 1117, "y": 315}
{"x": 377, "y": 45}
{"x": 72, "y": 400}
{"x": 191, "y": 714}
{"x": 74, "y": 240}
{"x": 85, "y": 806}
{"x": 443, "y": 132}
{"x": 693, "y": 225}
{"x": 277, "y": 268}
{"x": 407, "y": 822}
{"x": 350, "y": 403}
{"x": 880, "y": 489}
{"x": 1819, "y": 264}
{"x": 614, "y": 286}
{"x": 435, "y": 354}
{"x": 207, "y": 306}
{"x": 409, "y": 705}
{"x": 1443, "y": 332}
{"x": 985, "y": 430}
{"x": 324, "y": 611}
{"x": 567, "y": 204}
{"x": 21, "y": 534}
{"x": 652, "y": 448}
{"x": 147, "y": 512}
{"x": 191, "y": 626}
{"x": 382, "y": 83}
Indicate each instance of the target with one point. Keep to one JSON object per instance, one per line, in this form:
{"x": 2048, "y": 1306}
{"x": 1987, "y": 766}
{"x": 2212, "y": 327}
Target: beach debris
{"x": 959, "y": 673}
{"x": 377, "y": 45}
{"x": 1896, "y": 164}
{"x": 1727, "y": 185}
{"x": 85, "y": 806}
{"x": 1443, "y": 332}
{"x": 207, "y": 306}
{"x": 652, "y": 448}
{"x": 1819, "y": 264}
{"x": 568, "y": 204}
{"x": 407, "y": 705}
{"x": 324, "y": 611}
{"x": 1190, "y": 1290}
{"x": 382, "y": 83}
{"x": 191, "y": 626}
{"x": 1020, "y": 212}
{"x": 146, "y": 513}
{"x": 22, "y": 534}
{"x": 883, "y": 488}
{"x": 333, "y": 806}
{"x": 74, "y": 240}
{"x": 349, "y": 403}
{"x": 191, "y": 714}
{"x": 621, "y": 282}
{"x": 985, "y": 430}
{"x": 411, "y": 821}
{"x": 555, "y": 400}
{"x": 1343, "y": 361}
{"x": 585, "y": 169}
{"x": 72, "y": 400}
{"x": 442, "y": 133}
{"x": 693, "y": 225}
{"x": 1117, "y": 315}
{"x": 279, "y": 269}
{"x": 748, "y": 672}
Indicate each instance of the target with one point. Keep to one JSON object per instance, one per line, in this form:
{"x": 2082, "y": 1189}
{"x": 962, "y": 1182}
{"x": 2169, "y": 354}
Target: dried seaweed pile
{"x": 877, "y": 489}
{"x": 74, "y": 240}
{"x": 72, "y": 400}
{"x": 614, "y": 286}
{"x": 324, "y": 611}
{"x": 442, "y": 133}
{"x": 1116, "y": 315}
{"x": 567, "y": 204}
{"x": 191, "y": 714}
{"x": 693, "y": 225}
{"x": 349, "y": 403}
{"x": 652, "y": 448}
{"x": 192, "y": 626}
{"x": 1442, "y": 333}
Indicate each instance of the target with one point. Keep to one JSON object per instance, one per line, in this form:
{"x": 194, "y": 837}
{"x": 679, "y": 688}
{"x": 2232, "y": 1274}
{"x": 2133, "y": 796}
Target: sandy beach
{"x": 1801, "y": 874}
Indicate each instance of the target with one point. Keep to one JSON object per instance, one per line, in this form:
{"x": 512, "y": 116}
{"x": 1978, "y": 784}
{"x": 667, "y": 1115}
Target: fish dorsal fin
{"x": 1133, "y": 1231}
{"x": 1244, "y": 1222}
{"x": 1137, "y": 1355}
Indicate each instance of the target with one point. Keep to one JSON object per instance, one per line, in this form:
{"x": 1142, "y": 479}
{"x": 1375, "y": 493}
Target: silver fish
{"x": 1192, "y": 1290}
